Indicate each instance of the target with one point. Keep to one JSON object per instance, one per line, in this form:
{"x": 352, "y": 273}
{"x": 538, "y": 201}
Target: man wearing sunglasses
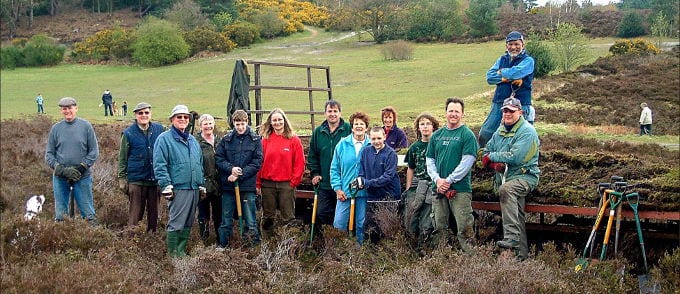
{"x": 135, "y": 167}
{"x": 178, "y": 167}
{"x": 513, "y": 153}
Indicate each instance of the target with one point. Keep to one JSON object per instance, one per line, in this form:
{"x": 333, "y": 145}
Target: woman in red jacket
{"x": 282, "y": 167}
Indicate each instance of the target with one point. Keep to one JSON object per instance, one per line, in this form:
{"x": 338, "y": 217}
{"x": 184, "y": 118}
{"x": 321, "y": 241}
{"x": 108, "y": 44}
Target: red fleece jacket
{"x": 284, "y": 160}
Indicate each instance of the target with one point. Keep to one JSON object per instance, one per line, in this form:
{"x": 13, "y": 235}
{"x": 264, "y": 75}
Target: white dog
{"x": 34, "y": 206}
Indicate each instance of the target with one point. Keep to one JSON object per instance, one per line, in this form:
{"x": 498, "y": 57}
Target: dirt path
{"x": 313, "y": 40}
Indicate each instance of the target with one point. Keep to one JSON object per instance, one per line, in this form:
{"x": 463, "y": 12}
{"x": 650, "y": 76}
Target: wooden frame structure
{"x": 310, "y": 89}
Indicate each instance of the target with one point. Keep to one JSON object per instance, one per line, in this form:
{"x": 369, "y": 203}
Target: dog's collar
{"x": 31, "y": 212}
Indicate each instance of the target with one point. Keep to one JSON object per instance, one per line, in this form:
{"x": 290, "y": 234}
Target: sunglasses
{"x": 142, "y": 112}
{"x": 506, "y": 110}
{"x": 181, "y": 116}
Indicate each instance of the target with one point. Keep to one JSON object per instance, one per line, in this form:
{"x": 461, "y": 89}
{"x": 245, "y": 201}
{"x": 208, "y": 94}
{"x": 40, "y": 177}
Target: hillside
{"x": 74, "y": 25}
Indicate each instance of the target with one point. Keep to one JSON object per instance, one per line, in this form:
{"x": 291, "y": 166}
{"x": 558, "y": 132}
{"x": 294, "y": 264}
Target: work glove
{"x": 357, "y": 184}
{"x": 123, "y": 185}
{"x": 518, "y": 83}
{"x": 59, "y": 171}
{"x": 450, "y": 194}
{"x": 167, "y": 193}
{"x": 499, "y": 167}
{"x": 72, "y": 174}
{"x": 82, "y": 168}
{"x": 486, "y": 160}
{"x": 202, "y": 192}
{"x": 504, "y": 80}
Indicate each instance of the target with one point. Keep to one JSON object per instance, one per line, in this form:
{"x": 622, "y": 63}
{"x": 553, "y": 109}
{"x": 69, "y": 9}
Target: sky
{"x": 595, "y": 2}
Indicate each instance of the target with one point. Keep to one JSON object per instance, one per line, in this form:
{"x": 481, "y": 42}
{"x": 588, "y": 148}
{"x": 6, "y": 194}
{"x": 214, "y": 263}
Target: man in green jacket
{"x": 320, "y": 155}
{"x": 513, "y": 153}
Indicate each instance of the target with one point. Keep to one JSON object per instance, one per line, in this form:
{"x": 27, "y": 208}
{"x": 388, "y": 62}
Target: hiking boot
{"x": 508, "y": 244}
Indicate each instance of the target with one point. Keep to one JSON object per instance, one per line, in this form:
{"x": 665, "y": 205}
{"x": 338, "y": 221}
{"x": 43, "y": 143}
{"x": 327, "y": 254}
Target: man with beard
{"x": 512, "y": 74}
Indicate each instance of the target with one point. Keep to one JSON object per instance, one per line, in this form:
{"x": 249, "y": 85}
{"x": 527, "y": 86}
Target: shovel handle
{"x": 351, "y": 215}
{"x": 237, "y": 191}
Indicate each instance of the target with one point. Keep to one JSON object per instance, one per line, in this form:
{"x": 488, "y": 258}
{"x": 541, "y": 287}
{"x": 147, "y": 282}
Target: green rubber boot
{"x": 172, "y": 240}
{"x": 182, "y": 243}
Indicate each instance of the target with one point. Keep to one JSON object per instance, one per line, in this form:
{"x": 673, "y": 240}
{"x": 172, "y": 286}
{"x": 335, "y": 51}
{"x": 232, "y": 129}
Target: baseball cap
{"x": 512, "y": 103}
{"x": 141, "y": 105}
{"x": 67, "y": 101}
{"x": 179, "y": 109}
{"x": 514, "y": 35}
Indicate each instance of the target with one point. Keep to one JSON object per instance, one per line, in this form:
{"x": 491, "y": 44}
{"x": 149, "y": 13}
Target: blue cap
{"x": 513, "y": 36}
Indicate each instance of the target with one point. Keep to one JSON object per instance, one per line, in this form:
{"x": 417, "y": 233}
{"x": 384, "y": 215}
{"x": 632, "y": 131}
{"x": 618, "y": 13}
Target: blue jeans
{"x": 40, "y": 108}
{"x": 342, "y": 216}
{"x": 493, "y": 121}
{"x": 82, "y": 192}
{"x": 248, "y": 209}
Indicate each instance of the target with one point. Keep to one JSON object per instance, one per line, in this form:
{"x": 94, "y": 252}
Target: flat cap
{"x": 67, "y": 101}
{"x": 140, "y": 106}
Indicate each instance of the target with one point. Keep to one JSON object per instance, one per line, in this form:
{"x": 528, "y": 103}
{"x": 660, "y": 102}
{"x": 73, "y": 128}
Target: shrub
{"x": 397, "y": 50}
{"x": 636, "y": 47}
{"x": 243, "y": 33}
{"x": 631, "y": 26}
{"x": 269, "y": 23}
{"x": 222, "y": 19}
{"x": 11, "y": 57}
{"x": 205, "y": 38}
{"x": 570, "y": 46}
{"x": 186, "y": 14}
{"x": 105, "y": 45}
{"x": 159, "y": 43}
{"x": 43, "y": 50}
{"x": 434, "y": 21}
{"x": 544, "y": 62}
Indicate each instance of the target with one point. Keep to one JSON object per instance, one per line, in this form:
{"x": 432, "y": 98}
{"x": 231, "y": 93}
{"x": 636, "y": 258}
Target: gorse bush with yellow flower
{"x": 294, "y": 14}
{"x": 636, "y": 47}
{"x": 105, "y": 45}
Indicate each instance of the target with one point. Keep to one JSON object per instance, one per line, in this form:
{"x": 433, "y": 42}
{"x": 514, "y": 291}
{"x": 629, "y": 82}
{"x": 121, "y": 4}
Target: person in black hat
{"x": 512, "y": 74}
{"x": 71, "y": 150}
{"x": 135, "y": 167}
{"x": 513, "y": 153}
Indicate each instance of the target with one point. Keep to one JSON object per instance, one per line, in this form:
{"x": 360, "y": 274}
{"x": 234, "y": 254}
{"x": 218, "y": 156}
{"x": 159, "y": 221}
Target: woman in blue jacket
{"x": 344, "y": 169}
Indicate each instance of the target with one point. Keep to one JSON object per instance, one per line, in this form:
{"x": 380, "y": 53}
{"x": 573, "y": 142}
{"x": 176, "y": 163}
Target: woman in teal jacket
{"x": 178, "y": 167}
{"x": 344, "y": 169}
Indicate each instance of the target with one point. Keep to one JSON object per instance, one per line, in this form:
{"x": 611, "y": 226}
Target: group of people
{"x": 110, "y": 107}
{"x": 349, "y": 162}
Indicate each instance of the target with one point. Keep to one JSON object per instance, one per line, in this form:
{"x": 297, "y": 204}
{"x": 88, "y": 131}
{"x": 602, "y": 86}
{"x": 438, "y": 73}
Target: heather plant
{"x": 159, "y": 43}
{"x": 42, "y": 50}
{"x": 397, "y": 50}
{"x": 207, "y": 39}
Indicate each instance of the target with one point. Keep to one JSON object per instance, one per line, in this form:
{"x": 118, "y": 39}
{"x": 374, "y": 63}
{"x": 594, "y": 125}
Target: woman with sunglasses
{"x": 135, "y": 167}
{"x": 283, "y": 164}
{"x": 178, "y": 166}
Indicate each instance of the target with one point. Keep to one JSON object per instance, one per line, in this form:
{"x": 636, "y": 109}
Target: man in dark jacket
{"x": 135, "y": 167}
{"x": 239, "y": 158}
{"x": 107, "y": 100}
{"x": 320, "y": 155}
{"x": 513, "y": 74}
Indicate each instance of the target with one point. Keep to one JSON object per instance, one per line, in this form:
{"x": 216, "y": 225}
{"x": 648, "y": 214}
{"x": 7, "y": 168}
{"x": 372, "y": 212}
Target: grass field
{"x": 361, "y": 79}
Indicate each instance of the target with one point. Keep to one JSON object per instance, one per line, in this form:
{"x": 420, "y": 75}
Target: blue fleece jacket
{"x": 379, "y": 169}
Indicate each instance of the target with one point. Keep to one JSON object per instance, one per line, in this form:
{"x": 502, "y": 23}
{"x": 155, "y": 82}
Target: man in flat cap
{"x": 135, "y": 167}
{"x": 71, "y": 150}
{"x": 512, "y": 153}
{"x": 513, "y": 74}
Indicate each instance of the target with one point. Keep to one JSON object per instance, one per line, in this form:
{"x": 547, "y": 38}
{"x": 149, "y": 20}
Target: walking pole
{"x": 316, "y": 203}
{"x": 238, "y": 208}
